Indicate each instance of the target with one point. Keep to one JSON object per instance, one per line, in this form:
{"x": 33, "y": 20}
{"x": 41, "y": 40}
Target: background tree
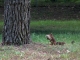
{"x": 16, "y": 22}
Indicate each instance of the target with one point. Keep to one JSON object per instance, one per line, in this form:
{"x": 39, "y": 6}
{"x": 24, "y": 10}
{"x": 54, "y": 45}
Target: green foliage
{"x": 1, "y": 2}
{"x": 66, "y": 1}
{"x": 78, "y": 1}
{"x": 50, "y": 2}
{"x": 47, "y": 2}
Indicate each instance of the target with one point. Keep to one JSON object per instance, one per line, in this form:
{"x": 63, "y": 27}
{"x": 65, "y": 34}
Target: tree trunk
{"x": 16, "y": 22}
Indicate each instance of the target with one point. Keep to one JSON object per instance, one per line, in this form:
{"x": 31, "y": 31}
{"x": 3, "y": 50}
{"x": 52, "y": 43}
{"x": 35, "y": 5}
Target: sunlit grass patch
{"x": 8, "y": 52}
{"x": 66, "y": 37}
{"x": 52, "y": 26}
{"x": 40, "y": 38}
{"x": 55, "y": 26}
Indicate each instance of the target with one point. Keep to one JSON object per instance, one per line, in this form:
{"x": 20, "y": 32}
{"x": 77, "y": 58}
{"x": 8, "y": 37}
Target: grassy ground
{"x": 62, "y": 30}
{"x": 55, "y": 26}
{"x": 66, "y": 31}
{"x": 39, "y": 51}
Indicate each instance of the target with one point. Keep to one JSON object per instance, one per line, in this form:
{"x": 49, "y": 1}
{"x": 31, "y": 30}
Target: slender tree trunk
{"x": 16, "y": 22}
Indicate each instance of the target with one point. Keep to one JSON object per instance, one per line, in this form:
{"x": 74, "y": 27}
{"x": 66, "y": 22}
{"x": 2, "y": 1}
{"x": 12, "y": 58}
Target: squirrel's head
{"x": 49, "y": 36}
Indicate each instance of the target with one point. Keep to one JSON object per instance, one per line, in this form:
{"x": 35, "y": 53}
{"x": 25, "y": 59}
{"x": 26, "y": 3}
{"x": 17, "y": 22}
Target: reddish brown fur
{"x": 60, "y": 43}
{"x": 53, "y": 41}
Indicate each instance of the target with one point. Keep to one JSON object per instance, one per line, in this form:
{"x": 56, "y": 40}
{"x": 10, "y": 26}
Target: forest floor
{"x": 37, "y": 51}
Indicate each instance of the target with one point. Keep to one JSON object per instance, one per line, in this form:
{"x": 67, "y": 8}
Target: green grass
{"x": 62, "y": 30}
{"x": 65, "y": 31}
{"x": 55, "y": 26}
{"x": 61, "y": 37}
{"x": 8, "y": 52}
{"x": 49, "y": 26}
{"x": 66, "y": 37}
{"x": 1, "y": 26}
{"x": 0, "y": 37}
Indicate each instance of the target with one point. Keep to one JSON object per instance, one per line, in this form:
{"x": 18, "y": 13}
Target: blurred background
{"x": 52, "y": 9}
{"x": 60, "y": 17}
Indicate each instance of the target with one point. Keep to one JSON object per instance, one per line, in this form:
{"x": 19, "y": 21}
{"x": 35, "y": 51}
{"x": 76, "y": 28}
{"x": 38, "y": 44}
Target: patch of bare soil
{"x": 37, "y": 51}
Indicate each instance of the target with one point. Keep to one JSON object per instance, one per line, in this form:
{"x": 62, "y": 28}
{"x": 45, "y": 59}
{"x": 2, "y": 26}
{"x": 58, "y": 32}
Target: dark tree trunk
{"x": 16, "y": 22}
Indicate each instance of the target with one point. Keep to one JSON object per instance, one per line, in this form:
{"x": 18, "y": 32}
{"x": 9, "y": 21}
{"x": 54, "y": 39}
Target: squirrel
{"x": 53, "y": 41}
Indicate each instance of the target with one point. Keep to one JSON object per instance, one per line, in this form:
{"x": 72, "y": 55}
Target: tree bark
{"x": 16, "y": 22}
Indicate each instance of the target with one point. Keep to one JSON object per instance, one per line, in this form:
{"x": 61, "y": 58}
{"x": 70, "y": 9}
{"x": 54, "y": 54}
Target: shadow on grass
{"x": 54, "y": 31}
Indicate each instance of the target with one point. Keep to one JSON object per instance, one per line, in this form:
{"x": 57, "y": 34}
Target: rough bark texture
{"x": 16, "y": 22}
